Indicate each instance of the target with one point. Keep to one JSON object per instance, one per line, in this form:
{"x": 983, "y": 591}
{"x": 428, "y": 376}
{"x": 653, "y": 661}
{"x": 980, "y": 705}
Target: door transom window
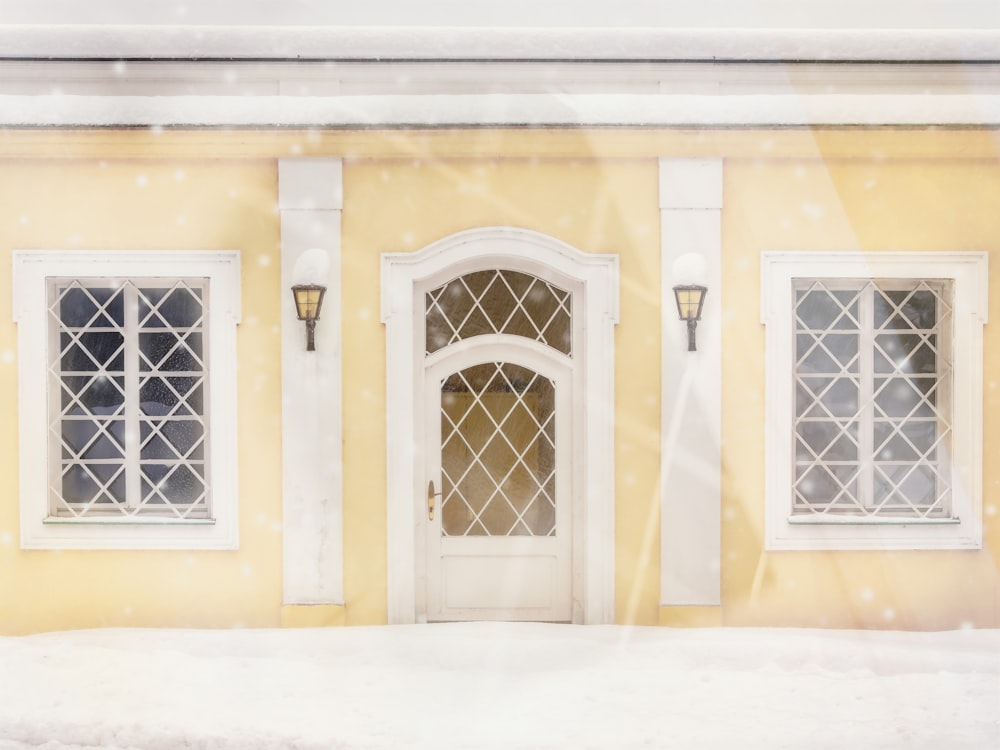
{"x": 498, "y": 301}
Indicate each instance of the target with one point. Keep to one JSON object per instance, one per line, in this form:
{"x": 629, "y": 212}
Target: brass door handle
{"x": 431, "y": 494}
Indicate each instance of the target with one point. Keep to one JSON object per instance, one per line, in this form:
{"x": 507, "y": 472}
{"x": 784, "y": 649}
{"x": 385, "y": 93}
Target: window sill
{"x": 129, "y": 522}
{"x": 855, "y": 534}
{"x": 872, "y": 522}
{"x": 130, "y": 534}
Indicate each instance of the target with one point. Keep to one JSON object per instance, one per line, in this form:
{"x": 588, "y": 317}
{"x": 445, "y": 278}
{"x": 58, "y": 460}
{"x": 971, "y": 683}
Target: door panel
{"x": 499, "y": 582}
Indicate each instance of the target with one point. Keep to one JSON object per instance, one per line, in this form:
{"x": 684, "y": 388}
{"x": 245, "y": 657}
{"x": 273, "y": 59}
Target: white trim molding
{"x": 31, "y": 270}
{"x": 962, "y": 527}
{"x": 497, "y": 110}
{"x": 310, "y": 202}
{"x": 690, "y": 489}
{"x": 593, "y": 281}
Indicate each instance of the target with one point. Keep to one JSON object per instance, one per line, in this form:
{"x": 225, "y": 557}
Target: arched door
{"x": 498, "y": 524}
{"x": 498, "y": 394}
{"x": 499, "y": 439}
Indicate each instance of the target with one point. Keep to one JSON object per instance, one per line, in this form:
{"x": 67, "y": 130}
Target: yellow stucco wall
{"x": 867, "y": 205}
{"x": 823, "y": 190}
{"x": 143, "y": 204}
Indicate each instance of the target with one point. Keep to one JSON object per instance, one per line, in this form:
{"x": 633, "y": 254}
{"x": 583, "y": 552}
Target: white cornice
{"x": 397, "y": 111}
{"x": 126, "y": 76}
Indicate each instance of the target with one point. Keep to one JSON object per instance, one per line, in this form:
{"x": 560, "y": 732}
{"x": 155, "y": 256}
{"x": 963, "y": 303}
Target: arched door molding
{"x": 593, "y": 281}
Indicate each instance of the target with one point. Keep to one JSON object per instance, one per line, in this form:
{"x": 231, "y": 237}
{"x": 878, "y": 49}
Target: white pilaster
{"x": 310, "y": 202}
{"x": 690, "y": 225}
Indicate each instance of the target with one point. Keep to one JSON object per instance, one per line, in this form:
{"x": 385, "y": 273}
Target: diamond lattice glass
{"x": 872, "y": 398}
{"x": 130, "y": 419}
{"x": 498, "y": 301}
{"x": 498, "y": 452}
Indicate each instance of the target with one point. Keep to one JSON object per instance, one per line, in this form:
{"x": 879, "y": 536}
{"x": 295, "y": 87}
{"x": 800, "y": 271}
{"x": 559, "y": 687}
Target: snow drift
{"x": 492, "y": 685}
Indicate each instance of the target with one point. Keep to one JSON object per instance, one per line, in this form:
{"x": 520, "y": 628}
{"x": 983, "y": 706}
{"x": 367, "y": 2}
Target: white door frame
{"x": 593, "y": 281}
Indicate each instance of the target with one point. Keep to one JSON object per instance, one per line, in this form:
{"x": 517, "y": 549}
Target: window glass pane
{"x": 870, "y": 395}
{"x": 841, "y": 398}
{"x": 170, "y": 352}
{"x": 819, "y": 309}
{"x": 498, "y": 452}
{"x": 824, "y": 485}
{"x": 180, "y": 308}
{"x": 906, "y": 353}
{"x": 93, "y": 395}
{"x": 182, "y": 435}
{"x": 129, "y": 412}
{"x": 904, "y": 397}
{"x": 103, "y": 446}
{"x": 842, "y": 347}
{"x": 813, "y": 357}
{"x": 498, "y": 301}
{"x": 172, "y": 484}
{"x": 806, "y": 391}
{"x": 76, "y": 308}
{"x": 156, "y": 398}
{"x": 154, "y": 347}
{"x": 97, "y": 483}
{"x": 92, "y": 351}
{"x": 828, "y": 441}
{"x": 906, "y": 309}
{"x": 149, "y": 299}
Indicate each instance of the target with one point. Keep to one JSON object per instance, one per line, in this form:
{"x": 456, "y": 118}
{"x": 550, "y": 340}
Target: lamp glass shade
{"x": 690, "y": 299}
{"x": 308, "y": 300}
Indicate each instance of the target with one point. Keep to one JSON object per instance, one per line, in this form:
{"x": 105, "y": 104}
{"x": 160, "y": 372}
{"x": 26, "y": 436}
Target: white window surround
{"x": 31, "y": 269}
{"x": 968, "y": 272}
{"x": 594, "y": 280}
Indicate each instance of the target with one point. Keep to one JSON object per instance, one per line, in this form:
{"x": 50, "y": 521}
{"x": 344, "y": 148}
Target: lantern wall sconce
{"x": 690, "y": 299}
{"x": 308, "y": 303}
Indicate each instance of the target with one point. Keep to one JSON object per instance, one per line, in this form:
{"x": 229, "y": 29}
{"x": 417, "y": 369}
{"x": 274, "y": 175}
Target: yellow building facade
{"x": 499, "y": 236}
{"x": 596, "y": 190}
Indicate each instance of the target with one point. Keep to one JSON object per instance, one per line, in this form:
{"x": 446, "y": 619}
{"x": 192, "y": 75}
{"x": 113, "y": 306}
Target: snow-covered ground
{"x": 491, "y": 685}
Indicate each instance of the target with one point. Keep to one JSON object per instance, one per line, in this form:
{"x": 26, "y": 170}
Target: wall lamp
{"x": 308, "y": 302}
{"x": 690, "y": 299}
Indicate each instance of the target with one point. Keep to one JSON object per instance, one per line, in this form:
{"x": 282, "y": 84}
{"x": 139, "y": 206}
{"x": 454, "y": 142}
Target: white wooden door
{"x": 497, "y": 521}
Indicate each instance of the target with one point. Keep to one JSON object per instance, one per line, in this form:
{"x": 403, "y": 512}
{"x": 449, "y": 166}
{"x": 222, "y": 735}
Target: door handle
{"x": 431, "y": 494}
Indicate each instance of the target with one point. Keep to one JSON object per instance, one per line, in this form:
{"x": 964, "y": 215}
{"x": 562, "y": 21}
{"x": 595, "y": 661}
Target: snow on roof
{"x": 81, "y": 41}
{"x": 500, "y": 686}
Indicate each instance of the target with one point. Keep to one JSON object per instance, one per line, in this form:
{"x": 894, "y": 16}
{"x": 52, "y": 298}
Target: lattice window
{"x": 873, "y": 387}
{"x": 498, "y": 301}
{"x": 128, "y": 411}
{"x": 498, "y": 447}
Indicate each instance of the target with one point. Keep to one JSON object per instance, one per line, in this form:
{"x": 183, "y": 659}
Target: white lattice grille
{"x": 498, "y": 452}
{"x": 498, "y": 302}
{"x": 872, "y": 398}
{"x": 129, "y": 428}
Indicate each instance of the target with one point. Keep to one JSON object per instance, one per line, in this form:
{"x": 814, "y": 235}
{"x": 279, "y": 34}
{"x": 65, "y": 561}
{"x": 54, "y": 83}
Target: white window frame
{"x": 32, "y": 269}
{"x": 968, "y": 273}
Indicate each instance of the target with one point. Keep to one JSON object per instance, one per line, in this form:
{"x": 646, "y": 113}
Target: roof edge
{"x": 384, "y": 43}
